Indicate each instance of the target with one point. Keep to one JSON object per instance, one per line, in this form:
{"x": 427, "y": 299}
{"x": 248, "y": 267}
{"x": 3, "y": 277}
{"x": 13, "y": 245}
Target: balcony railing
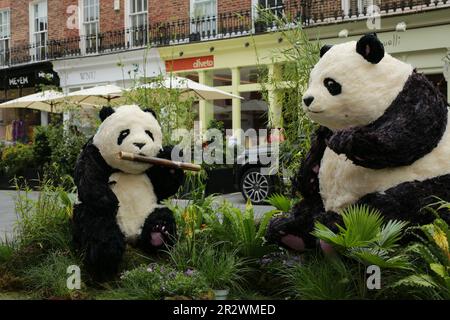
{"x": 224, "y": 25}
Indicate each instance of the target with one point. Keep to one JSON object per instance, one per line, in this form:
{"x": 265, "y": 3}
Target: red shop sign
{"x": 190, "y": 63}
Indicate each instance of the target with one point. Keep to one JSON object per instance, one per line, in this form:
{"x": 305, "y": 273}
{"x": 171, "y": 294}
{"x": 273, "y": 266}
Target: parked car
{"x": 252, "y": 175}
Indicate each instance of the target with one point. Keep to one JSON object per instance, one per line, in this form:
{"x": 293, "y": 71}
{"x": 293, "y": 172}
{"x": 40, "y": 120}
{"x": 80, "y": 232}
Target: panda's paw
{"x": 327, "y": 249}
{"x": 293, "y": 242}
{"x": 158, "y": 235}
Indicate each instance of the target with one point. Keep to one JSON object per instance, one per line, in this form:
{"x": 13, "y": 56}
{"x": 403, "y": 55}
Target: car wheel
{"x": 256, "y": 186}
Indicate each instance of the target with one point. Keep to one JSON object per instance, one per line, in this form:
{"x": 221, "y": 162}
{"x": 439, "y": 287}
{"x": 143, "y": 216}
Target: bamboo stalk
{"x": 159, "y": 162}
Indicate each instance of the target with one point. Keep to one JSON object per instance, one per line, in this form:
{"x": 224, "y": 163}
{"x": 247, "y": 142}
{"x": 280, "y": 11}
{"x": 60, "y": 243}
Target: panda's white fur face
{"x": 349, "y": 91}
{"x": 132, "y": 130}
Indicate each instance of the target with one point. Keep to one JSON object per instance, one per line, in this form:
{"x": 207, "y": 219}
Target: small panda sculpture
{"x": 120, "y": 199}
{"x": 384, "y": 142}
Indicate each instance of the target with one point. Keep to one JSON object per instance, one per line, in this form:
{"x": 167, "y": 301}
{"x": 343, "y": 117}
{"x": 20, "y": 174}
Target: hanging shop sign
{"x": 190, "y": 63}
{"x": 30, "y": 76}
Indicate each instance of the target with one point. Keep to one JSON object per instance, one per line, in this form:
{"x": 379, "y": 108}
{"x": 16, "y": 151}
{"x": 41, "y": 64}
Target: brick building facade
{"x": 63, "y": 17}
{"x": 81, "y": 43}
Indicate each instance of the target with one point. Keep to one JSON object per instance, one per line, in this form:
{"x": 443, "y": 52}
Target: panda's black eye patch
{"x": 149, "y": 134}
{"x": 333, "y": 87}
{"x": 123, "y": 134}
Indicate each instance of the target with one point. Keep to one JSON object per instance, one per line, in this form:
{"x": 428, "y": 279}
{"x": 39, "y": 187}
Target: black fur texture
{"x": 370, "y": 48}
{"x": 166, "y": 181}
{"x": 325, "y": 49}
{"x": 105, "y": 112}
{"x": 95, "y": 230}
{"x": 410, "y": 128}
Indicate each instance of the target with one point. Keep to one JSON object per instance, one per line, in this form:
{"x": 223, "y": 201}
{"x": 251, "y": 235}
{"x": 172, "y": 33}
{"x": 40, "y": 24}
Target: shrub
{"x": 57, "y": 150}
{"x": 321, "y": 279}
{"x": 49, "y": 278}
{"x": 41, "y": 146}
{"x": 430, "y": 278}
{"x": 44, "y": 222}
{"x": 221, "y": 268}
{"x": 16, "y": 159}
{"x": 240, "y": 230}
{"x": 156, "y": 282}
{"x": 365, "y": 238}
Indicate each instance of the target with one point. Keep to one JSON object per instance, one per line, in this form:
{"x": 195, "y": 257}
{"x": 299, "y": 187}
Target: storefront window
{"x": 223, "y": 112}
{"x": 252, "y": 74}
{"x": 4, "y": 37}
{"x": 222, "y": 77}
{"x": 254, "y": 112}
{"x": 190, "y": 75}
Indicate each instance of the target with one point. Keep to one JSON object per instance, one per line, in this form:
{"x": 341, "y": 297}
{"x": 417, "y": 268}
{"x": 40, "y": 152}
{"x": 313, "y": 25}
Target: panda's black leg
{"x": 159, "y": 231}
{"x": 294, "y": 231}
{"x": 99, "y": 237}
{"x": 408, "y": 200}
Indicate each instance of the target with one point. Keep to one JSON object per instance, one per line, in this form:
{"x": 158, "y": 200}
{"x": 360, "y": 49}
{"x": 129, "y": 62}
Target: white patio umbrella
{"x": 47, "y": 100}
{"x": 97, "y": 96}
{"x": 189, "y": 89}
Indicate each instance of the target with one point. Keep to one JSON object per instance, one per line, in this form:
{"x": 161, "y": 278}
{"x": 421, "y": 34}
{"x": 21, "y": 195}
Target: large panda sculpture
{"x": 120, "y": 199}
{"x": 384, "y": 141}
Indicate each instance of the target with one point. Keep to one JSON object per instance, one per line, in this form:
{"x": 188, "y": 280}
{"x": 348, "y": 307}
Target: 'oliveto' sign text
{"x": 190, "y": 63}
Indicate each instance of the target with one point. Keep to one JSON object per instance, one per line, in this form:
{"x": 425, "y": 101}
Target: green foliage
{"x": 365, "y": 238}
{"x": 220, "y": 266}
{"x": 44, "y": 222}
{"x": 49, "y": 278}
{"x": 320, "y": 279}
{"x": 432, "y": 261}
{"x": 6, "y": 252}
{"x": 156, "y": 282}
{"x": 238, "y": 228}
{"x": 41, "y": 146}
{"x": 216, "y": 124}
{"x": 16, "y": 159}
{"x": 280, "y": 202}
{"x": 194, "y": 187}
{"x": 57, "y": 150}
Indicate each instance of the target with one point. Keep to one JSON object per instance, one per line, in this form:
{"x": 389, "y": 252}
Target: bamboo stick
{"x": 159, "y": 161}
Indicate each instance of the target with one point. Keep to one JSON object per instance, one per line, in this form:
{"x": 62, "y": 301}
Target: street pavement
{"x": 8, "y": 216}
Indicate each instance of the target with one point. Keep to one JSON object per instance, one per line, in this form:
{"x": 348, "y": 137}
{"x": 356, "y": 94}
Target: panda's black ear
{"x": 325, "y": 49}
{"x": 151, "y": 111}
{"x": 370, "y": 48}
{"x": 105, "y": 113}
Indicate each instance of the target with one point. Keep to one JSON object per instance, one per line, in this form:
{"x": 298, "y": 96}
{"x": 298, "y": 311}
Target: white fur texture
{"x": 367, "y": 89}
{"x": 137, "y": 121}
{"x": 343, "y": 183}
{"x": 137, "y": 200}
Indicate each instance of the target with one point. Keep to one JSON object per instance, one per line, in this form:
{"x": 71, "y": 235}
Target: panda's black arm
{"x": 91, "y": 178}
{"x": 307, "y": 181}
{"x": 166, "y": 181}
{"x": 409, "y": 129}
{"x": 300, "y": 221}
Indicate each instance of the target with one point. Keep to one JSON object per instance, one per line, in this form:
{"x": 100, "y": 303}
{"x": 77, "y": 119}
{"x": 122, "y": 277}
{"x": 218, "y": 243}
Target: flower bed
{"x": 225, "y": 249}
